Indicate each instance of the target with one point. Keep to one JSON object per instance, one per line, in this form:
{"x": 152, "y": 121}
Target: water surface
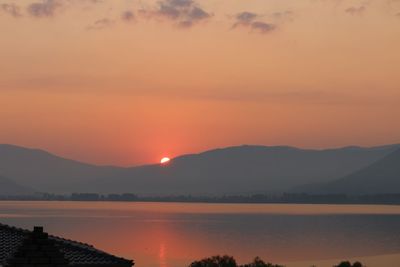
{"x": 174, "y": 234}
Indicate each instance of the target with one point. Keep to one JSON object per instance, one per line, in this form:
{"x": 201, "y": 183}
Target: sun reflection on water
{"x": 162, "y": 256}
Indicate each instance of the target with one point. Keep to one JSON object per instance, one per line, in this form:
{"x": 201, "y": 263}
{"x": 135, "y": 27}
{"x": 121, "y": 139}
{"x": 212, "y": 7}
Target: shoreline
{"x": 207, "y": 202}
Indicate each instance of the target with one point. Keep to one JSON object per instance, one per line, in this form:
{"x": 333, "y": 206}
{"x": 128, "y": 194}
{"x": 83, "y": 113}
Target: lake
{"x": 175, "y": 234}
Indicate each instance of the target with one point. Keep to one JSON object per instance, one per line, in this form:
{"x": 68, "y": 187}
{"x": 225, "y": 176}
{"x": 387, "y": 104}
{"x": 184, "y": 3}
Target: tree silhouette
{"x": 215, "y": 261}
{"x": 257, "y": 262}
{"x": 348, "y": 264}
{"x": 228, "y": 261}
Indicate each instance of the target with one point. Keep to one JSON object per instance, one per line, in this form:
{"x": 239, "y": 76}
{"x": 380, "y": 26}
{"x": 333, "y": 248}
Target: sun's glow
{"x": 164, "y": 160}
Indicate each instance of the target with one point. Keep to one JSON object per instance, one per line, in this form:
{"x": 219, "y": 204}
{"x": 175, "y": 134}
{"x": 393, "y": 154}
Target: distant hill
{"x": 232, "y": 170}
{"x": 46, "y": 172}
{"x": 242, "y": 169}
{"x": 381, "y": 177}
{"x": 10, "y": 188}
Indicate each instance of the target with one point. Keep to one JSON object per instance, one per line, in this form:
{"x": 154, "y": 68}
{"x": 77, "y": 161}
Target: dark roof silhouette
{"x": 19, "y": 247}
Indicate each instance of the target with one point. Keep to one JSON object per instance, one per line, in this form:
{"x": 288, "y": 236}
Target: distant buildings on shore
{"x": 292, "y": 198}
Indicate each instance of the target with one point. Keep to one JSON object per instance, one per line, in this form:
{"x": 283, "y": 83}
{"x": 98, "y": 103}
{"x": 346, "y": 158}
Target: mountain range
{"x": 381, "y": 177}
{"x": 46, "y": 172}
{"x": 233, "y": 170}
{"x": 8, "y": 187}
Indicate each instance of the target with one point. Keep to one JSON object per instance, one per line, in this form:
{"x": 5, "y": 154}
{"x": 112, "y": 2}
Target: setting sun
{"x": 164, "y": 160}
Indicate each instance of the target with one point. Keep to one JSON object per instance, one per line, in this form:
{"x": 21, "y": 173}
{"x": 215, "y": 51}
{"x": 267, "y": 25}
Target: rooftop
{"x": 17, "y": 246}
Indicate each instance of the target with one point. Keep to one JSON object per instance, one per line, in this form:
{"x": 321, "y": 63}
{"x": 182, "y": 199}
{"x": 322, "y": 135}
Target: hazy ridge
{"x": 232, "y": 170}
{"x": 382, "y": 176}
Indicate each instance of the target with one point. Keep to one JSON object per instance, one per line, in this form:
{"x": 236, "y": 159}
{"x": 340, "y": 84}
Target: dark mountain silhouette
{"x": 232, "y": 170}
{"x": 381, "y": 177}
{"x": 242, "y": 169}
{"x": 45, "y": 172}
{"x": 10, "y": 188}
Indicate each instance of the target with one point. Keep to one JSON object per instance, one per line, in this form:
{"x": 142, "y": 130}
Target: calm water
{"x": 172, "y": 234}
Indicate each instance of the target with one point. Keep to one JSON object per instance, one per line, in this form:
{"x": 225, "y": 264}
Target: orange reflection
{"x": 163, "y": 262}
{"x": 175, "y": 234}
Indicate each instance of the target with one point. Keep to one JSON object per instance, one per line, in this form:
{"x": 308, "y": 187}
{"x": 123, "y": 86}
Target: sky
{"x": 128, "y": 82}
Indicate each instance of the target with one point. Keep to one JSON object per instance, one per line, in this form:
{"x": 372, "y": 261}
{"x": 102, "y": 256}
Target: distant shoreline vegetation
{"x": 387, "y": 199}
{"x": 229, "y": 261}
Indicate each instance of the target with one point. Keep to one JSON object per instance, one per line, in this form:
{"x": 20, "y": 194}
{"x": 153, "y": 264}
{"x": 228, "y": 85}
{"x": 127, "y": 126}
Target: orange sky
{"x": 127, "y": 82}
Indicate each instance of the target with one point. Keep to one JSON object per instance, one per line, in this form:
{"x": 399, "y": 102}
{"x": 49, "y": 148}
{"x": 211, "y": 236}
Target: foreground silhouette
{"x": 229, "y": 261}
{"x": 348, "y": 264}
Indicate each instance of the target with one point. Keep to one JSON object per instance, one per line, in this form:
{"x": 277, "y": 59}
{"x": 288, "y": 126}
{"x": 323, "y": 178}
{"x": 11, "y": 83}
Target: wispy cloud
{"x": 283, "y": 15}
{"x": 262, "y": 27}
{"x": 128, "y": 15}
{"x": 244, "y": 18}
{"x": 308, "y": 97}
{"x": 185, "y": 13}
{"x": 358, "y": 10}
{"x": 11, "y": 9}
{"x": 45, "y": 8}
{"x": 101, "y": 24}
{"x": 252, "y": 21}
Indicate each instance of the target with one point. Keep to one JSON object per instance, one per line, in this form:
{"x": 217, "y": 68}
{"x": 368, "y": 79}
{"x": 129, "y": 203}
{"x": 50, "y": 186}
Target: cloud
{"x": 297, "y": 96}
{"x": 101, "y": 24}
{"x": 128, "y": 15}
{"x": 283, "y": 15}
{"x": 45, "y": 8}
{"x": 252, "y": 21}
{"x": 263, "y": 27}
{"x": 198, "y": 14}
{"x": 355, "y": 10}
{"x": 42, "y": 8}
{"x": 244, "y": 18}
{"x": 185, "y": 13}
{"x": 11, "y": 9}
